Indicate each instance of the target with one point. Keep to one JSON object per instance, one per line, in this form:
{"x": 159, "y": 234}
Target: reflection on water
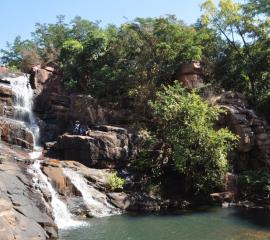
{"x": 207, "y": 224}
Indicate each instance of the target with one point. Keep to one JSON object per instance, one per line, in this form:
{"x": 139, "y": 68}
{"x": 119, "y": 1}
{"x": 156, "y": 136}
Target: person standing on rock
{"x": 83, "y": 129}
{"x": 76, "y": 129}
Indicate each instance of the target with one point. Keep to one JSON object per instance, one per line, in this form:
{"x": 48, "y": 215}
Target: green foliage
{"x": 120, "y": 64}
{"x": 244, "y": 53}
{"x": 49, "y": 39}
{"x": 185, "y": 124}
{"x": 150, "y": 157}
{"x": 70, "y": 84}
{"x": 115, "y": 182}
{"x": 255, "y": 182}
{"x": 21, "y": 55}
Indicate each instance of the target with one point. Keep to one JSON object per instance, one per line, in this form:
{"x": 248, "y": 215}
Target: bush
{"x": 255, "y": 182}
{"x": 116, "y": 182}
{"x": 185, "y": 124}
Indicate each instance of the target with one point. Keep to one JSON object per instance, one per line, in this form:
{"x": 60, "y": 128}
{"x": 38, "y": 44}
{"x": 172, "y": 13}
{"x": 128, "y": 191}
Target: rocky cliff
{"x": 253, "y": 150}
{"x": 24, "y": 215}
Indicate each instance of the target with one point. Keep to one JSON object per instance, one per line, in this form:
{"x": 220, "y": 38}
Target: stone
{"x": 98, "y": 177}
{"x": 14, "y": 225}
{"x": 86, "y": 109}
{"x": 98, "y": 148}
{"x": 5, "y": 91}
{"x": 262, "y": 136}
{"x": 15, "y": 132}
{"x": 5, "y": 98}
{"x": 107, "y": 128}
{"x": 222, "y": 197}
{"x": 49, "y": 69}
{"x": 3, "y": 69}
{"x": 54, "y": 171}
{"x": 42, "y": 75}
{"x": 254, "y": 143}
{"x": 190, "y": 75}
{"x": 120, "y": 200}
{"x": 23, "y": 214}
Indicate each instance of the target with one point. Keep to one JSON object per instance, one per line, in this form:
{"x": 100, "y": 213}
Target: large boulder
{"x": 105, "y": 148}
{"x": 190, "y": 75}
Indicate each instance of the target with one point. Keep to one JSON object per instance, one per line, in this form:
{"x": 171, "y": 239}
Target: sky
{"x": 18, "y": 17}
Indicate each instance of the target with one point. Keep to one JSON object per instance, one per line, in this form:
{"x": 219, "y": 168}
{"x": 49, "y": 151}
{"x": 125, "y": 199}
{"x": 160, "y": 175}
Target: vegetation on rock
{"x": 185, "y": 124}
{"x": 115, "y": 182}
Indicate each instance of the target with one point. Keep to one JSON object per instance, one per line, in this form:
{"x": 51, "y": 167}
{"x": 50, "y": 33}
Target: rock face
{"x": 53, "y": 170}
{"x": 106, "y": 146}
{"x": 190, "y": 75}
{"x": 12, "y": 131}
{"x": 6, "y": 103}
{"x": 59, "y": 109}
{"x": 15, "y": 132}
{"x": 23, "y": 214}
{"x": 99, "y": 180}
{"x": 38, "y": 76}
{"x": 254, "y": 145}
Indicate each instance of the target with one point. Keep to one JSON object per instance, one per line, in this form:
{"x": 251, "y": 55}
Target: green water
{"x": 210, "y": 224}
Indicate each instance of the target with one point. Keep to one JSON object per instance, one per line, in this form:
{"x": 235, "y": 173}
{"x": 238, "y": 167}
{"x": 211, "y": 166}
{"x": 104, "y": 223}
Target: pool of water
{"x": 207, "y": 224}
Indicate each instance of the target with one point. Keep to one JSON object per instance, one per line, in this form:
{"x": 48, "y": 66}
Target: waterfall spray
{"x": 62, "y": 216}
{"x": 96, "y": 201}
{"x": 23, "y": 103}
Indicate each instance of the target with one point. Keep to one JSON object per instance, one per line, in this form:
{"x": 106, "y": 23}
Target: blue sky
{"x": 18, "y": 17}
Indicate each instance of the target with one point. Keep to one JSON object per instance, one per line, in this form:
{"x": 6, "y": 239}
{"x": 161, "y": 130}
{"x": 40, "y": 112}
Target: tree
{"x": 49, "y": 39}
{"x": 246, "y": 38}
{"x": 21, "y": 54}
{"x": 186, "y": 124}
{"x": 144, "y": 54}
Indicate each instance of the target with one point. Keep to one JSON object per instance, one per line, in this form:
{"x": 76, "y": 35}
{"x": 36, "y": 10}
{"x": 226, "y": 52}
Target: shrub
{"x": 185, "y": 124}
{"x": 115, "y": 182}
{"x": 255, "y": 182}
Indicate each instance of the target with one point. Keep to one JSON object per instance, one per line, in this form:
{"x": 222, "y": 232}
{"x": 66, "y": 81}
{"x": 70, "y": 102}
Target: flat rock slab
{"x": 23, "y": 214}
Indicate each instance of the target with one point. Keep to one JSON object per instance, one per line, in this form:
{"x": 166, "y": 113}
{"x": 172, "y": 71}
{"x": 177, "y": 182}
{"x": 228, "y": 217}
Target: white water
{"x": 96, "y": 201}
{"x": 62, "y": 216}
{"x": 23, "y": 103}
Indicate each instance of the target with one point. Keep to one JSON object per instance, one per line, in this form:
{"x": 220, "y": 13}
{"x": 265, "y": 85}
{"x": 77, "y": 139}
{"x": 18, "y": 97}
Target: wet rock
{"x": 55, "y": 172}
{"x": 23, "y": 214}
{"x": 120, "y": 200}
{"x": 15, "y": 132}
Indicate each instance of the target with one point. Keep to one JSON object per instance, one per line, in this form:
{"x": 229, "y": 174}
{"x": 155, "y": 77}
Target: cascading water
{"x": 96, "y": 201}
{"x": 62, "y": 216}
{"x": 23, "y": 103}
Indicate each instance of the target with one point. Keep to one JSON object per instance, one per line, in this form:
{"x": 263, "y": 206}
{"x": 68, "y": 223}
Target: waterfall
{"x": 62, "y": 216}
{"x": 23, "y": 103}
{"x": 96, "y": 201}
